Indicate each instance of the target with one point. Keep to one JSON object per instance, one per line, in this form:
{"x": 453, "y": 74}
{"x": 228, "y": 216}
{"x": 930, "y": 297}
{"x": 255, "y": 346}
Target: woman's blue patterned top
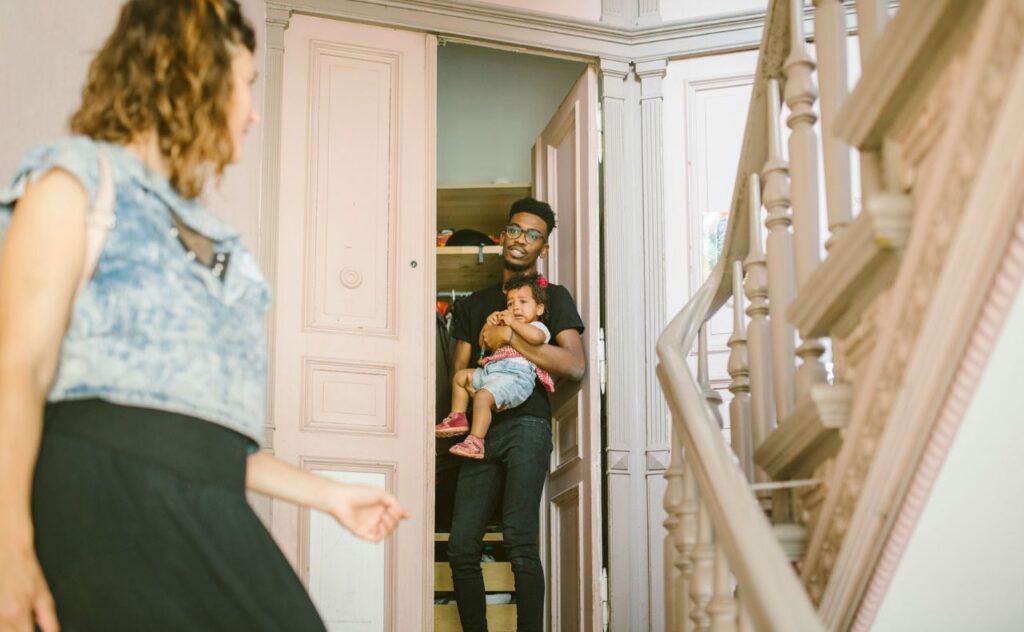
{"x": 154, "y": 328}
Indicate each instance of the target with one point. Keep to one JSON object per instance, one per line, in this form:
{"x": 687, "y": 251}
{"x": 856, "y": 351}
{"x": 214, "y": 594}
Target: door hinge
{"x": 602, "y": 364}
{"x": 605, "y": 610}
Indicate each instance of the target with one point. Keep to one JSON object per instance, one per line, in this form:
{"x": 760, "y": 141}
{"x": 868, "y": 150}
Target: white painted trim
{"x": 266, "y": 251}
{"x": 633, "y": 597}
{"x": 430, "y": 272}
{"x": 609, "y": 39}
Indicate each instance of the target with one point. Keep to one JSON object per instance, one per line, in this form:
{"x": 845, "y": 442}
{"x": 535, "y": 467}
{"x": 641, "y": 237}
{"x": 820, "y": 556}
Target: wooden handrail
{"x": 769, "y": 584}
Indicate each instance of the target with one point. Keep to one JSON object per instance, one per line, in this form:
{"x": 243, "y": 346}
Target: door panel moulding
{"x": 533, "y": 30}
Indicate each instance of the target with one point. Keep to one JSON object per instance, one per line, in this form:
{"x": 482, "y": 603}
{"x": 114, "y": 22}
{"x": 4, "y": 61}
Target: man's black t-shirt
{"x": 470, "y": 316}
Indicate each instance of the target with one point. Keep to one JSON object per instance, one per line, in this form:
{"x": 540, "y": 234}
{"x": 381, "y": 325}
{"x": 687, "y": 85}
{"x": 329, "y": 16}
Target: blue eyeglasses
{"x": 532, "y": 234}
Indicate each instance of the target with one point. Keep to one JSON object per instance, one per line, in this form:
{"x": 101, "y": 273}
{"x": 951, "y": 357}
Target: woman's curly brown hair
{"x": 166, "y": 69}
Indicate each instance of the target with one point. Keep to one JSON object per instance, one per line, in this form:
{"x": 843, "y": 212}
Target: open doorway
{"x": 356, "y": 266}
{"x": 509, "y": 125}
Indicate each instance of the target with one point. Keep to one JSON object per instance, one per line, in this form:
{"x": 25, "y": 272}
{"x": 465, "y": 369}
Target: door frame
{"x": 277, "y": 19}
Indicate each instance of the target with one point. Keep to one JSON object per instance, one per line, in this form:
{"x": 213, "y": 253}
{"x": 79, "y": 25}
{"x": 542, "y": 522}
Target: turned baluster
{"x": 685, "y": 546}
{"x": 780, "y": 258}
{"x": 702, "y": 580}
{"x": 872, "y": 16}
{"x": 713, "y": 397}
{"x": 830, "y": 43}
{"x": 762, "y": 400}
{"x": 801, "y": 94}
{"x": 722, "y": 608}
{"x": 673, "y": 504}
{"x": 739, "y": 371}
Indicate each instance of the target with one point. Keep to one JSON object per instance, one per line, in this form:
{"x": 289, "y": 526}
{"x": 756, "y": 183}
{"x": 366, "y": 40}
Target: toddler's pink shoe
{"x": 471, "y": 448}
{"x": 454, "y": 424}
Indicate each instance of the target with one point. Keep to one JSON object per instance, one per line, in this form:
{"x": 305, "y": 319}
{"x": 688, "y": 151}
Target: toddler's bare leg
{"x": 462, "y": 389}
{"x": 483, "y": 403}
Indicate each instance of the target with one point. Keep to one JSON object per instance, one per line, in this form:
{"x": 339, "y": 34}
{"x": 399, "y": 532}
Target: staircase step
{"x": 488, "y": 537}
{"x": 499, "y": 618}
{"x": 497, "y": 577}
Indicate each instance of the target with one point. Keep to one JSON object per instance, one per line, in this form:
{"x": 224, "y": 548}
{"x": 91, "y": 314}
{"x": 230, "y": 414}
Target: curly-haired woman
{"x": 132, "y": 386}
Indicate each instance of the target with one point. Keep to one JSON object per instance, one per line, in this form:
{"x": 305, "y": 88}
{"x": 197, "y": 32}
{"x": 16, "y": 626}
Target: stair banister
{"x": 769, "y": 595}
{"x": 770, "y": 587}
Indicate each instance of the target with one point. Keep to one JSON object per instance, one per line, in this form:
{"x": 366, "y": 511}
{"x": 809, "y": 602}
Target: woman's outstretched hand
{"x": 368, "y": 512}
{"x": 24, "y": 596}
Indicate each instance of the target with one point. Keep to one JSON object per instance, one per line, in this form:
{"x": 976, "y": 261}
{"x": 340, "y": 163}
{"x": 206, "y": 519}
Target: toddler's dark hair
{"x": 536, "y": 282}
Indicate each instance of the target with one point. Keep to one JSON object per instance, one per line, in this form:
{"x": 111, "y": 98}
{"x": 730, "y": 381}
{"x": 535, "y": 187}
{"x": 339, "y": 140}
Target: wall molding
{"x": 277, "y": 20}
{"x": 629, "y": 515}
{"x": 612, "y": 38}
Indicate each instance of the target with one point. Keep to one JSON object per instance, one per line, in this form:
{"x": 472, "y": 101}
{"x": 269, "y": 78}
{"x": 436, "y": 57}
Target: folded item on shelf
{"x": 469, "y": 237}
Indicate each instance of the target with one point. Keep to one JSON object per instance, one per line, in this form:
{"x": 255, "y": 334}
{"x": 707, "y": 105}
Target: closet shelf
{"x": 481, "y": 207}
{"x": 460, "y": 268}
{"x": 449, "y": 251}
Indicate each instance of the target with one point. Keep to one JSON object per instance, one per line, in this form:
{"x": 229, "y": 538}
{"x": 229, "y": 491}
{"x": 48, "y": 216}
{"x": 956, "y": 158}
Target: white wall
{"x": 964, "y": 567}
{"x": 675, "y": 10}
{"x": 45, "y": 54}
{"x": 46, "y": 47}
{"x": 705, "y": 109}
{"x": 491, "y": 105}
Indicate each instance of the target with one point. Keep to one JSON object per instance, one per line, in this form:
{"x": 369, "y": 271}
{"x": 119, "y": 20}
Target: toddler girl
{"x": 505, "y": 379}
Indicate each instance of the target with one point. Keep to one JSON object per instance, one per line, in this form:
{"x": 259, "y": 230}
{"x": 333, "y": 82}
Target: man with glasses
{"x": 519, "y": 441}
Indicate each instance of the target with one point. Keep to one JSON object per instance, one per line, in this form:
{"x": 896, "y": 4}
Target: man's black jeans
{"x": 518, "y": 451}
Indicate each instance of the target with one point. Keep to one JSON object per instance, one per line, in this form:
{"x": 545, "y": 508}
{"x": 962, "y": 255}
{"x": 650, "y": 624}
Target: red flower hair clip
{"x": 542, "y": 281}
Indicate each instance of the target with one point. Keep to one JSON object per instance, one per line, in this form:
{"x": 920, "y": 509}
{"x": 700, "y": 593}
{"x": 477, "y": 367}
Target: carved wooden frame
{"x": 385, "y": 370}
{"x": 965, "y": 200}
{"x": 318, "y": 51}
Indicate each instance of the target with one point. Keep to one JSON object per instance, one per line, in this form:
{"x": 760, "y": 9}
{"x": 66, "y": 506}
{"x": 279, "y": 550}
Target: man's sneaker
{"x": 454, "y": 424}
{"x": 471, "y": 448}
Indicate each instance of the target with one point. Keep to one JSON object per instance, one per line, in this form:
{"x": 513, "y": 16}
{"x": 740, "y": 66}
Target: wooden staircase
{"x": 497, "y": 579}
{"x": 908, "y": 296}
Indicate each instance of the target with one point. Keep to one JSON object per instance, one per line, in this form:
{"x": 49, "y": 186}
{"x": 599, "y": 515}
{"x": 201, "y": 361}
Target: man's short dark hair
{"x": 534, "y": 207}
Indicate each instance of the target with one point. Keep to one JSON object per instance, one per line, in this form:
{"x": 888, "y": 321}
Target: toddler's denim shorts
{"x": 510, "y": 381}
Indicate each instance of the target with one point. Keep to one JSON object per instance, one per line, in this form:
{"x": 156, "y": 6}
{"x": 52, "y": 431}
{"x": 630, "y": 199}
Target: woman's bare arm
{"x": 368, "y": 512}
{"x": 40, "y": 268}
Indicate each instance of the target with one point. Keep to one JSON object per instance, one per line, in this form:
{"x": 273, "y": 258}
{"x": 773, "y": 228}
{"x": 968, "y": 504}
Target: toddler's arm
{"x": 528, "y": 332}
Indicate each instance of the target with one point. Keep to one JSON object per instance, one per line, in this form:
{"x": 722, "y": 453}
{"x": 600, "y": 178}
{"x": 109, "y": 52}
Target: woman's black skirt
{"x": 141, "y": 523}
